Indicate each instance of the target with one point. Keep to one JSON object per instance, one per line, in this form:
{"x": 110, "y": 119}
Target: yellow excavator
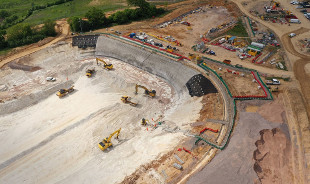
{"x": 106, "y": 143}
{"x": 151, "y": 93}
{"x": 64, "y": 92}
{"x": 90, "y": 72}
{"x": 125, "y": 99}
{"x": 105, "y": 65}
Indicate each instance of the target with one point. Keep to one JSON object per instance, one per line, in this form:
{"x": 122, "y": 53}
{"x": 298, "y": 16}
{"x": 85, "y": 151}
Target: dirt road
{"x": 299, "y": 66}
{"x": 64, "y": 29}
{"x": 299, "y": 72}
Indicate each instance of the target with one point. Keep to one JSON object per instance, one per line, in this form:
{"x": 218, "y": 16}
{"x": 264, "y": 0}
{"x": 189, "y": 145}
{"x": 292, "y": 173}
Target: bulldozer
{"x": 90, "y": 72}
{"x": 151, "y": 93}
{"x": 105, "y": 65}
{"x": 64, "y": 92}
{"x": 106, "y": 143}
{"x": 125, "y": 99}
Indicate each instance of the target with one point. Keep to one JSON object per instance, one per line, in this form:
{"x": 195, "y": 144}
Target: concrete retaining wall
{"x": 172, "y": 71}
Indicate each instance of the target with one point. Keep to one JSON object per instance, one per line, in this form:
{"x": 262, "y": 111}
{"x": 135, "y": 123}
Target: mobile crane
{"x": 106, "y": 143}
{"x": 64, "y": 92}
{"x": 151, "y": 93}
{"x": 125, "y": 99}
{"x": 105, "y": 65}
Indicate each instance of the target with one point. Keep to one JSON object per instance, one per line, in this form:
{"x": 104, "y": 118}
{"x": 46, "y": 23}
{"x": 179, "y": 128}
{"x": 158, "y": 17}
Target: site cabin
{"x": 226, "y": 61}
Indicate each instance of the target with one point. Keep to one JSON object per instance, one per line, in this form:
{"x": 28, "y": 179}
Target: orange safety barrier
{"x": 205, "y": 129}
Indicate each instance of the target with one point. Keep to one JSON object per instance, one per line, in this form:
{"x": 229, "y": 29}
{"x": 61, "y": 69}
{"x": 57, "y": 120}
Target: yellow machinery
{"x": 151, "y": 93}
{"x": 275, "y": 3}
{"x": 198, "y": 58}
{"x": 64, "y": 92}
{"x": 239, "y": 43}
{"x": 191, "y": 56}
{"x": 90, "y": 72}
{"x": 106, "y": 143}
{"x": 252, "y": 52}
{"x": 169, "y": 50}
{"x": 105, "y": 65}
{"x": 144, "y": 122}
{"x": 125, "y": 99}
{"x": 227, "y": 37}
{"x": 289, "y": 12}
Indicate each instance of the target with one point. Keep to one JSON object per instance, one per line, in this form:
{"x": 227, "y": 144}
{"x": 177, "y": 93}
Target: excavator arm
{"x": 151, "y": 93}
{"x": 105, "y": 65}
{"x": 106, "y": 143}
{"x": 116, "y": 132}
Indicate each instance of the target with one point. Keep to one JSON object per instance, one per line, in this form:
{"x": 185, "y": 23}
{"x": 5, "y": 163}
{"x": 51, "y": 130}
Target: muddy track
{"x": 299, "y": 66}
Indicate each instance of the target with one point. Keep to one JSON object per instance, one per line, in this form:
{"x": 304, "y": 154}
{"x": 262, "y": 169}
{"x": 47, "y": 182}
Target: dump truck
{"x": 64, "y": 92}
{"x": 90, "y": 72}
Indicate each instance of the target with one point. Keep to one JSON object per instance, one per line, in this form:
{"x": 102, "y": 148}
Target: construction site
{"x": 212, "y": 92}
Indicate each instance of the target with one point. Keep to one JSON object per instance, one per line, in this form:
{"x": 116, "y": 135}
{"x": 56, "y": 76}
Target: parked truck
{"x": 227, "y": 61}
{"x": 273, "y": 82}
{"x": 295, "y": 21}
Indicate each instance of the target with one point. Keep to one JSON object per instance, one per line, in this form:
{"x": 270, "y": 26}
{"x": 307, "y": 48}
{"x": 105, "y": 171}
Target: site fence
{"x": 267, "y": 96}
{"x": 251, "y": 26}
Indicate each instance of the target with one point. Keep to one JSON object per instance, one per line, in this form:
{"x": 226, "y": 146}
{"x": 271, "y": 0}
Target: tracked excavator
{"x": 151, "y": 93}
{"x": 105, "y": 65}
{"x": 106, "y": 143}
{"x": 125, "y": 99}
{"x": 90, "y": 72}
{"x": 64, "y": 92}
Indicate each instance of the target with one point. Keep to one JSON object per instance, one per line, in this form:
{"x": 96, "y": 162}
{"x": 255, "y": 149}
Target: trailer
{"x": 259, "y": 45}
{"x": 297, "y": 21}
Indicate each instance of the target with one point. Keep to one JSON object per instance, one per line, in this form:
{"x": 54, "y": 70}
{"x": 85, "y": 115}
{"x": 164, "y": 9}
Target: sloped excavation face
{"x": 56, "y": 140}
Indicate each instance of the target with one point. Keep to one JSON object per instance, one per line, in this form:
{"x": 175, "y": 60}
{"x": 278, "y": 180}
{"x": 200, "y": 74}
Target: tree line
{"x": 14, "y": 33}
{"x": 22, "y": 34}
{"x": 95, "y": 18}
{"x": 10, "y": 20}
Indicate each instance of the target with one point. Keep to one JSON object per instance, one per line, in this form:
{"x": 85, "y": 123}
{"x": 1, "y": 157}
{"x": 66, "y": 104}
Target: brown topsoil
{"x": 273, "y": 152}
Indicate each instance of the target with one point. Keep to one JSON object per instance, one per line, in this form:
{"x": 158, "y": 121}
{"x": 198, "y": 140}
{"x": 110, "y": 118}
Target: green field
{"x": 238, "y": 30}
{"x": 69, "y": 9}
{"x": 5, "y": 51}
